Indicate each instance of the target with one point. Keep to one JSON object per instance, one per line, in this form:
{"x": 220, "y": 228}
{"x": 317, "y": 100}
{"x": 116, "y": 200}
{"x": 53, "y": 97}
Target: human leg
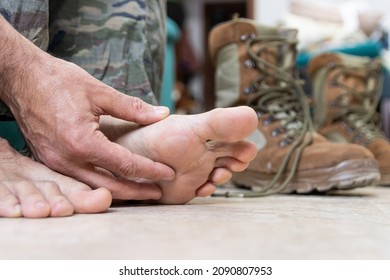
{"x": 120, "y": 44}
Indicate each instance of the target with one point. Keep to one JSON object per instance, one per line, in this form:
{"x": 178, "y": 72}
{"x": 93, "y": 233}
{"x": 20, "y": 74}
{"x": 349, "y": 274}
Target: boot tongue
{"x": 287, "y": 53}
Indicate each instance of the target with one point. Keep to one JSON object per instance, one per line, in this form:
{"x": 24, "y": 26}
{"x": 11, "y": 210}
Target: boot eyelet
{"x": 259, "y": 113}
{"x": 282, "y": 144}
{"x": 249, "y": 90}
{"x": 356, "y": 138}
{"x": 285, "y": 142}
{"x": 275, "y": 132}
{"x": 256, "y": 85}
{"x": 248, "y": 63}
{"x": 333, "y": 83}
{"x": 331, "y": 65}
{"x": 243, "y": 38}
{"x": 266, "y": 122}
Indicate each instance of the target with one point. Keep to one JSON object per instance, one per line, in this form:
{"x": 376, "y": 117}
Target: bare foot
{"x": 30, "y": 189}
{"x": 203, "y": 149}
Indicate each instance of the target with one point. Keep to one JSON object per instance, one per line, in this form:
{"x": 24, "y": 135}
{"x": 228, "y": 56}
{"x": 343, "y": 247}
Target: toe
{"x": 86, "y": 200}
{"x": 59, "y": 204}
{"x": 231, "y": 164}
{"x": 32, "y": 201}
{"x": 206, "y": 189}
{"x": 9, "y": 204}
{"x": 228, "y": 124}
{"x": 220, "y": 176}
{"x": 244, "y": 151}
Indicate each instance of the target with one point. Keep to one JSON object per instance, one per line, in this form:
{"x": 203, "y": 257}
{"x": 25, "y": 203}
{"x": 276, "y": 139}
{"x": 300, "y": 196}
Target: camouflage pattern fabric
{"x": 120, "y": 42}
{"x": 29, "y": 17}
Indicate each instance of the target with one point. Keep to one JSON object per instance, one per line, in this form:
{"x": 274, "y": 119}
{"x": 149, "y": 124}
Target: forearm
{"x": 17, "y": 56}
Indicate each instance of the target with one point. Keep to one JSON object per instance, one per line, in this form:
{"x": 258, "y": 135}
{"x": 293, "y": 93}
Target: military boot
{"x": 346, "y": 92}
{"x": 255, "y": 65}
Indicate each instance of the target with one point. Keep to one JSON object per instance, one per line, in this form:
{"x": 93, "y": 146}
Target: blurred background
{"x": 358, "y": 27}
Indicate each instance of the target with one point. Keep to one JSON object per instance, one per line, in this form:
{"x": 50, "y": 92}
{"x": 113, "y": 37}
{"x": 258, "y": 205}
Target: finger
{"x": 119, "y": 187}
{"x": 129, "y": 108}
{"x": 31, "y": 199}
{"x": 59, "y": 204}
{"x": 9, "y": 204}
{"x": 123, "y": 163}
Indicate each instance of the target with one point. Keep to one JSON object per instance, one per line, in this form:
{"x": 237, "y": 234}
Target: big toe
{"x": 86, "y": 200}
{"x": 229, "y": 124}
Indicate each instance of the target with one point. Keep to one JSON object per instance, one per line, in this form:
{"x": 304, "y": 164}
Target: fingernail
{"x": 162, "y": 110}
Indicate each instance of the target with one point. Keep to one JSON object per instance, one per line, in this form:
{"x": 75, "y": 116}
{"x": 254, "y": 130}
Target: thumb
{"x": 129, "y": 108}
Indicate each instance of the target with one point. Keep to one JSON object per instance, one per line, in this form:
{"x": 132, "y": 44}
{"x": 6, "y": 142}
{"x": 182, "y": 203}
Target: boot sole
{"x": 385, "y": 180}
{"x": 349, "y": 174}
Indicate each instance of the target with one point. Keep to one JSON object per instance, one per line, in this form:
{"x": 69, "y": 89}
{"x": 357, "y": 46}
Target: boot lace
{"x": 277, "y": 93}
{"x": 358, "y": 108}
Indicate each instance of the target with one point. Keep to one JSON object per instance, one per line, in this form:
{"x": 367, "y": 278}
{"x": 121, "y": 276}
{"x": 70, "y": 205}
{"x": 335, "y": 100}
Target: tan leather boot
{"x": 255, "y": 66}
{"x": 346, "y": 91}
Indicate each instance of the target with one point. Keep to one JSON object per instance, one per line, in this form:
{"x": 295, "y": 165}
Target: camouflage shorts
{"x": 120, "y": 42}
